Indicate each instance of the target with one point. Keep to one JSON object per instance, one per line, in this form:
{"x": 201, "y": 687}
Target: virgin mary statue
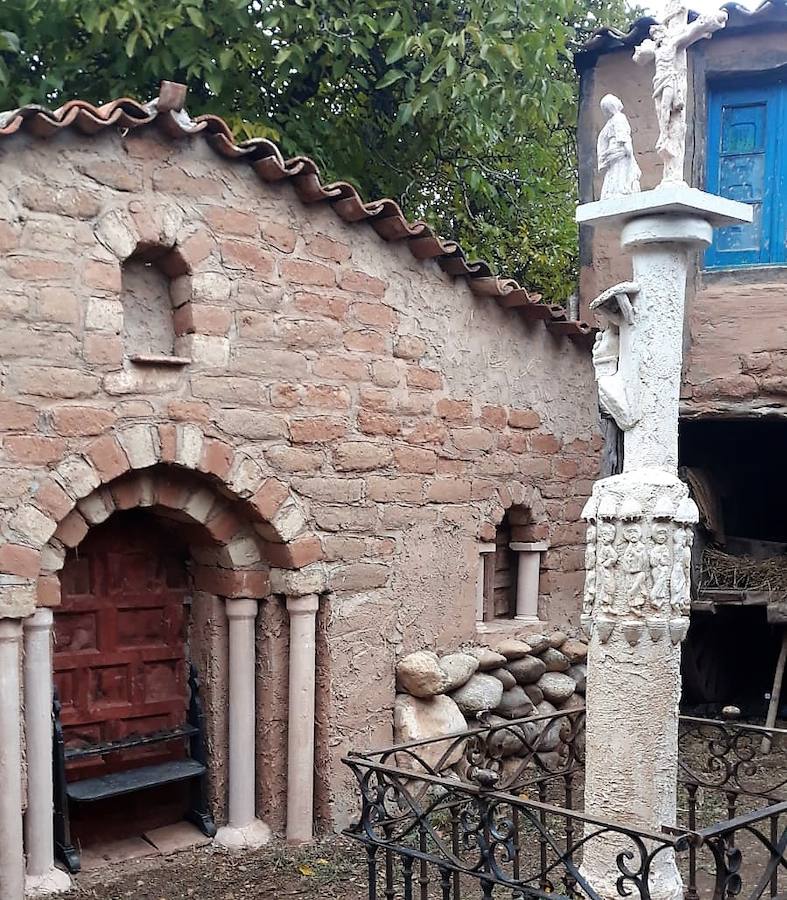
{"x": 615, "y": 152}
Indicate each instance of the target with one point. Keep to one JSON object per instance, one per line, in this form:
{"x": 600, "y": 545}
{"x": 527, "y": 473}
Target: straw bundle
{"x": 723, "y": 571}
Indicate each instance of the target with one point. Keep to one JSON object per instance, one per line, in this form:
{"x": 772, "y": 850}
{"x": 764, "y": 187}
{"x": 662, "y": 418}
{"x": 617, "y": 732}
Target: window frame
{"x": 772, "y": 92}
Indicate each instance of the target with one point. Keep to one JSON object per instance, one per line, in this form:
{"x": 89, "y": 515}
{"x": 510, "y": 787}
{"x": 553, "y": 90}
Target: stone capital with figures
{"x": 637, "y": 580}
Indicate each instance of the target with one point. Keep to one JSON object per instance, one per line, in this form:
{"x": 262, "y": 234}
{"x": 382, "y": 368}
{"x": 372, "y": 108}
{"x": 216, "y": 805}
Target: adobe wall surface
{"x": 404, "y": 413}
{"x": 735, "y": 334}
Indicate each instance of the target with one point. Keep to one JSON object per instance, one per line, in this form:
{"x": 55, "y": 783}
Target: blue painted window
{"x": 747, "y": 162}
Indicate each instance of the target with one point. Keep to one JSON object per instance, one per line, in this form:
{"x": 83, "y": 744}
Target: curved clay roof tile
{"x": 385, "y": 216}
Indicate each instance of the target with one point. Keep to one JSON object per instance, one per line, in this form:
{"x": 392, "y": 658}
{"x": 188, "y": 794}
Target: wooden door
{"x": 120, "y": 653}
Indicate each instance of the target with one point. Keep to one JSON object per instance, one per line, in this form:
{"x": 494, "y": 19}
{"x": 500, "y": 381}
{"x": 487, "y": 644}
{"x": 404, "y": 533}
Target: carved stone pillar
{"x": 636, "y": 611}
{"x": 639, "y": 532}
{"x": 12, "y": 858}
{"x": 243, "y": 830}
{"x": 300, "y": 749}
{"x": 42, "y": 875}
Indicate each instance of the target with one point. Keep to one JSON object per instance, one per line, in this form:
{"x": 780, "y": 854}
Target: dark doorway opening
{"x": 121, "y": 668}
{"x": 736, "y": 472}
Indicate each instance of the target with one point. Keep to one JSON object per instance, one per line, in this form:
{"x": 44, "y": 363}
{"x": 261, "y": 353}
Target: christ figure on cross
{"x": 667, "y": 47}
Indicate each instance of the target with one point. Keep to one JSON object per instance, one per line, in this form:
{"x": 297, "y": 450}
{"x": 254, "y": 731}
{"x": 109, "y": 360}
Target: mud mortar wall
{"x": 403, "y": 413}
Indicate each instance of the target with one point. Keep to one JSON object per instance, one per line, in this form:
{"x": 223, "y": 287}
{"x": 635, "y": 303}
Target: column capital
{"x": 529, "y": 546}
{"x": 241, "y": 609}
{"x": 10, "y": 629}
{"x": 304, "y": 605}
{"x": 41, "y": 620}
{"x": 299, "y": 582}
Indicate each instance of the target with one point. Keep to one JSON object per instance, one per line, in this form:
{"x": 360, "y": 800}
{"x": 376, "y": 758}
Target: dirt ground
{"x": 335, "y": 869}
{"x": 330, "y": 870}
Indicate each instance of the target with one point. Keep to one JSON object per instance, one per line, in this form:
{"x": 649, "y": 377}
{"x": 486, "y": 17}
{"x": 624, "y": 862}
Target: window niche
{"x": 149, "y": 336}
{"x": 510, "y": 568}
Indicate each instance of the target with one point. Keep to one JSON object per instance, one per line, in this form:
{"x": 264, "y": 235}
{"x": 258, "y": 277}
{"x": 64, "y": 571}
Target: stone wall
{"x": 529, "y": 675}
{"x": 735, "y": 335}
{"x": 403, "y": 413}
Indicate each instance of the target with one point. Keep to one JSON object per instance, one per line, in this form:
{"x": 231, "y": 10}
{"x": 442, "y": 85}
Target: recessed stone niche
{"x": 148, "y": 326}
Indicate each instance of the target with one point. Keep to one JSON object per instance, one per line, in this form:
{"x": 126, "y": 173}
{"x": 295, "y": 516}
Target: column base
{"x": 664, "y": 882}
{"x": 54, "y": 881}
{"x": 245, "y": 837}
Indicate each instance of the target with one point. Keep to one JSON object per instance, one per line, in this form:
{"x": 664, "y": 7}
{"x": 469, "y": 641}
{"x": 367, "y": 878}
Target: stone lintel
{"x": 673, "y": 200}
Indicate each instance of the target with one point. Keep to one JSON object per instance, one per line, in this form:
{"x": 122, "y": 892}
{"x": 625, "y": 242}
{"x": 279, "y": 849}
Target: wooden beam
{"x": 776, "y": 693}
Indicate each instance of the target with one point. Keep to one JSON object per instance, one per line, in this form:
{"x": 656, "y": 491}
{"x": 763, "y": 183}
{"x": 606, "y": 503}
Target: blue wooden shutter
{"x": 742, "y": 165}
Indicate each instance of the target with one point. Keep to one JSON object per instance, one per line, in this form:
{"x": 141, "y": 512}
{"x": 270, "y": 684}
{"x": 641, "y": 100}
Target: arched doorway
{"x": 121, "y": 671}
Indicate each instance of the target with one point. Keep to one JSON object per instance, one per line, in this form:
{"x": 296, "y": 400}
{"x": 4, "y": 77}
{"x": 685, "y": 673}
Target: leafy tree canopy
{"x": 462, "y": 109}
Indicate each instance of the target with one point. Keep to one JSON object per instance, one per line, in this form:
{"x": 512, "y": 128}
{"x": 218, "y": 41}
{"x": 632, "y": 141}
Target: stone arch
{"x": 229, "y": 555}
{"x": 522, "y": 502}
{"x": 155, "y": 233}
{"x": 79, "y": 486}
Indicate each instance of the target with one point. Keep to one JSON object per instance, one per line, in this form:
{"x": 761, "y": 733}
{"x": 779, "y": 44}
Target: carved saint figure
{"x": 681, "y": 572}
{"x": 616, "y": 389}
{"x": 590, "y": 571}
{"x": 686, "y": 605}
{"x": 660, "y": 564}
{"x": 667, "y": 48}
{"x": 607, "y": 561}
{"x": 634, "y": 562}
{"x": 615, "y": 152}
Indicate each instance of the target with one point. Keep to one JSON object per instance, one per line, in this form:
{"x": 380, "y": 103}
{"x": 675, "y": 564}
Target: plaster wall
{"x": 735, "y": 336}
{"x": 404, "y": 413}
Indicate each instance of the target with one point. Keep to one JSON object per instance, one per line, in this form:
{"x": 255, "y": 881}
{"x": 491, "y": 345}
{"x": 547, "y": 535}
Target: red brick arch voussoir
{"x": 80, "y": 488}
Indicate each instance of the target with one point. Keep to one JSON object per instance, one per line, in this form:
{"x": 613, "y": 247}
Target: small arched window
{"x": 510, "y": 570}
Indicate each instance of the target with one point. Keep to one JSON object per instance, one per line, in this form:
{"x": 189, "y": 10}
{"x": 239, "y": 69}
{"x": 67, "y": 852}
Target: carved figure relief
{"x": 686, "y": 605}
{"x": 667, "y": 48}
{"x": 660, "y": 565}
{"x": 679, "y": 586}
{"x": 617, "y": 393}
{"x": 638, "y": 565}
{"x": 634, "y": 563}
{"x": 615, "y": 152}
{"x": 590, "y": 571}
{"x": 607, "y": 563}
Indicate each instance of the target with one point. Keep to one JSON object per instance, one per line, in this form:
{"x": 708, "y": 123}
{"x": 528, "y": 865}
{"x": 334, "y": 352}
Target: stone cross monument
{"x": 667, "y": 48}
{"x": 639, "y": 523}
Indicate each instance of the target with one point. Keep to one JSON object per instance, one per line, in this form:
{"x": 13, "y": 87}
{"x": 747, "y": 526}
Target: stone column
{"x": 243, "y": 830}
{"x": 12, "y": 859}
{"x": 639, "y": 535}
{"x": 527, "y": 579}
{"x": 42, "y": 875}
{"x": 300, "y": 749}
{"x": 640, "y": 524}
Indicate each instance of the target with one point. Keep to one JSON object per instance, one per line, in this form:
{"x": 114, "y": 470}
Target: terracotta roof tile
{"x": 385, "y": 216}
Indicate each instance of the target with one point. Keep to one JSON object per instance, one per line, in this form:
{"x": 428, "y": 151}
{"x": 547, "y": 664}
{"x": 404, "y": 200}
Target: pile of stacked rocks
{"x": 443, "y": 695}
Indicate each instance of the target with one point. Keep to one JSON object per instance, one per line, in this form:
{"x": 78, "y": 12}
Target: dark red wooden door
{"x": 120, "y": 654}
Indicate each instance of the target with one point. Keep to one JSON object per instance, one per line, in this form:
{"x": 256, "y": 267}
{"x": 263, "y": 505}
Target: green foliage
{"x": 462, "y": 109}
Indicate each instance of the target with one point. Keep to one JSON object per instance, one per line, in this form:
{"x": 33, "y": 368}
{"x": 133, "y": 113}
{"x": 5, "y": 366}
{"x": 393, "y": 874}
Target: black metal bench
{"x": 192, "y": 768}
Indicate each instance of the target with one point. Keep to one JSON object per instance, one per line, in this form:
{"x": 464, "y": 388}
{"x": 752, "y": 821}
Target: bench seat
{"x": 118, "y": 783}
{"x": 192, "y": 768}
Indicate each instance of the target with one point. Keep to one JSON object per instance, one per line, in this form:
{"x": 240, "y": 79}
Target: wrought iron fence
{"x": 733, "y": 783}
{"x": 496, "y": 812}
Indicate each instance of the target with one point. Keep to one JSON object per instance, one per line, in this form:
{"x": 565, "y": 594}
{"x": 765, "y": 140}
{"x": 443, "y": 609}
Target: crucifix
{"x": 667, "y": 46}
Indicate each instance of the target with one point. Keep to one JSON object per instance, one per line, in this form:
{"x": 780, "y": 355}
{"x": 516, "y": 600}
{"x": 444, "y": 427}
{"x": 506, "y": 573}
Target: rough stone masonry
{"x": 164, "y": 311}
